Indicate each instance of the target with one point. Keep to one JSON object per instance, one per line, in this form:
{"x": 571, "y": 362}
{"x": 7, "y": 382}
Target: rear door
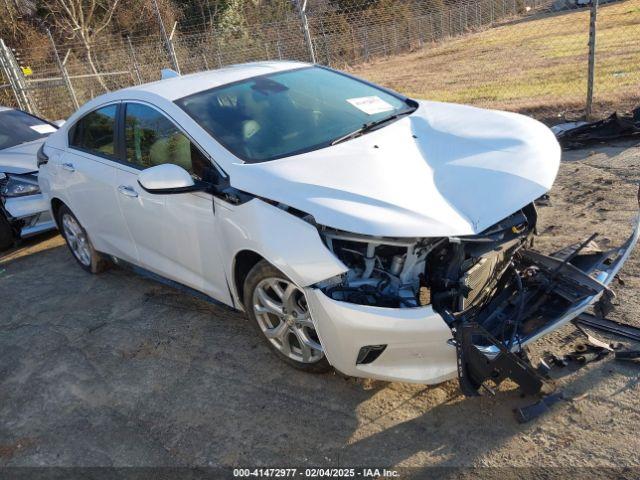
{"x": 87, "y": 171}
{"x": 175, "y": 234}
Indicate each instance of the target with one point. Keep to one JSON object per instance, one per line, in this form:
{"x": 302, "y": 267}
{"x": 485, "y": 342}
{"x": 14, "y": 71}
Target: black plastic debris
{"x": 613, "y": 127}
{"x": 609, "y": 326}
{"x": 543, "y": 201}
{"x": 533, "y": 411}
{"x": 629, "y": 355}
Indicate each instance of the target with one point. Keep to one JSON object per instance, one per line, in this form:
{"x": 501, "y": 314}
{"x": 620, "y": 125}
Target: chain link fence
{"x": 521, "y": 55}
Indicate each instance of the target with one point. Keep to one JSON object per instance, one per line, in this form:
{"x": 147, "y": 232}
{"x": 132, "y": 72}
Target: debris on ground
{"x": 578, "y": 134}
{"x": 562, "y": 128}
{"x": 582, "y": 354}
{"x": 610, "y": 326}
{"x": 533, "y": 411}
{"x": 594, "y": 349}
{"x": 586, "y": 353}
{"x": 596, "y": 342}
{"x": 543, "y": 201}
{"x": 628, "y": 355}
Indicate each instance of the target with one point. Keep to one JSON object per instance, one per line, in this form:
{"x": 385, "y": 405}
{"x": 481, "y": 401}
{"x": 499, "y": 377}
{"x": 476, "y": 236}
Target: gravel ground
{"x": 118, "y": 370}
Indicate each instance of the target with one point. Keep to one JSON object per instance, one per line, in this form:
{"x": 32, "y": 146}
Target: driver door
{"x": 175, "y": 234}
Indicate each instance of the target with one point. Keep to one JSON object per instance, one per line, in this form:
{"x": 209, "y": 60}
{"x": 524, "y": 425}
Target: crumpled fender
{"x": 284, "y": 240}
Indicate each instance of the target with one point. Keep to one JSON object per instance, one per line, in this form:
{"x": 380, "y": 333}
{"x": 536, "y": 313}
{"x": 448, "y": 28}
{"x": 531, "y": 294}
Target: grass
{"x": 537, "y": 65}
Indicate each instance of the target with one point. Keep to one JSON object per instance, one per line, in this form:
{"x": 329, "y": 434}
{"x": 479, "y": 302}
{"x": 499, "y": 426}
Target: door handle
{"x": 128, "y": 191}
{"x": 69, "y": 167}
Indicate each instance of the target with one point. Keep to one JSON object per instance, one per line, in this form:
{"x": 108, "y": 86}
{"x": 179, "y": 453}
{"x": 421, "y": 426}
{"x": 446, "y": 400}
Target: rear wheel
{"x": 79, "y": 243}
{"x": 278, "y": 308}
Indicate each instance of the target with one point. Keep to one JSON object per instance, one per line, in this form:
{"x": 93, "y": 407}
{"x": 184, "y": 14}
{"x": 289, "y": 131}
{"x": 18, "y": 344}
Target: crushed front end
{"x": 22, "y": 205}
{"x": 492, "y": 293}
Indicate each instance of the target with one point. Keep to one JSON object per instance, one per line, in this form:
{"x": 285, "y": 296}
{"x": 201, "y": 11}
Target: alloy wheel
{"x": 77, "y": 239}
{"x": 283, "y": 316}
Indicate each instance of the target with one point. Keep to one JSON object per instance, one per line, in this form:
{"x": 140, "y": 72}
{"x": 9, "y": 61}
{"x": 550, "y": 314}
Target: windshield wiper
{"x": 367, "y": 127}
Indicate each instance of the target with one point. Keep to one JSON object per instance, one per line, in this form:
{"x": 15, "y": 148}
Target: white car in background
{"x": 23, "y": 210}
{"x": 357, "y": 228}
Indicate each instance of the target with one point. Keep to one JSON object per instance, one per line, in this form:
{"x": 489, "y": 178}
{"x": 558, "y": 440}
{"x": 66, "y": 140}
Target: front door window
{"x": 152, "y": 139}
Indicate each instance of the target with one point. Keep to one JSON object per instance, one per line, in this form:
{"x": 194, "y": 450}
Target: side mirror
{"x": 168, "y": 178}
{"x": 59, "y": 123}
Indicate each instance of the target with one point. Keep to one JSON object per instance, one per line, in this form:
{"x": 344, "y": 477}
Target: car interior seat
{"x": 175, "y": 149}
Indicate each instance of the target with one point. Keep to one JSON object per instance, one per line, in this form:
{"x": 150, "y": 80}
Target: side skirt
{"x": 143, "y": 272}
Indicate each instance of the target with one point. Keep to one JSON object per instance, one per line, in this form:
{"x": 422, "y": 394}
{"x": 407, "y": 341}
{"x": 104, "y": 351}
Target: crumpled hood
{"x": 21, "y": 158}
{"x": 445, "y": 170}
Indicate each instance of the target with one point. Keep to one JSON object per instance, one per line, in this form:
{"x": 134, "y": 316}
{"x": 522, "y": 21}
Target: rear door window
{"x": 95, "y": 132}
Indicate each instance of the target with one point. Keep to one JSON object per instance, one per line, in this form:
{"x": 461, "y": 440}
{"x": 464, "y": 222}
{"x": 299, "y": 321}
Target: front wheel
{"x": 278, "y": 308}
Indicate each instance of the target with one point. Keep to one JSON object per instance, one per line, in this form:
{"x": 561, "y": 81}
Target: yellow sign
{"x": 27, "y": 71}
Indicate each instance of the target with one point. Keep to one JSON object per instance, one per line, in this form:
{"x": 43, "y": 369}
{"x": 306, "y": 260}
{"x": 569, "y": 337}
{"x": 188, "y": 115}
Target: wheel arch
{"x": 243, "y": 262}
{"x": 56, "y": 203}
{"x": 256, "y": 231}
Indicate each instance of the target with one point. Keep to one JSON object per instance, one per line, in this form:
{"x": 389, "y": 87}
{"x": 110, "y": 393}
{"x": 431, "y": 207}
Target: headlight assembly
{"x": 19, "y": 186}
{"x": 384, "y": 272}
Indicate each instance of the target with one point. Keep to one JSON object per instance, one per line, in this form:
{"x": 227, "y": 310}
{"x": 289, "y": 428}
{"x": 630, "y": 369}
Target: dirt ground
{"x": 117, "y": 370}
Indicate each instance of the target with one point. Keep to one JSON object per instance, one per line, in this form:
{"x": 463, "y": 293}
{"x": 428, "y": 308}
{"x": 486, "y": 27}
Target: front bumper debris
{"x": 416, "y": 345}
{"x": 580, "y": 283}
{"x": 29, "y": 214}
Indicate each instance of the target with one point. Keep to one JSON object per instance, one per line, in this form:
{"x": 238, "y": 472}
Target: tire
{"x": 277, "y": 309}
{"x": 6, "y": 233}
{"x": 79, "y": 243}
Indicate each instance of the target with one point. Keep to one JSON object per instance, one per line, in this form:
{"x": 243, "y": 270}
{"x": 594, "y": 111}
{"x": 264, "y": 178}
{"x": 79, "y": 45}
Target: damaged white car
{"x": 383, "y": 236}
{"x": 23, "y": 210}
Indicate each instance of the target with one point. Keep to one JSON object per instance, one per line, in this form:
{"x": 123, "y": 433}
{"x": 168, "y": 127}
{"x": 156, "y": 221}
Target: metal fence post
{"x": 278, "y": 44}
{"x": 219, "y": 52}
{"x": 466, "y": 17}
{"x": 366, "y": 44}
{"x": 592, "y": 57}
{"x": 63, "y": 72}
{"x": 167, "y": 41}
{"x": 13, "y": 73}
{"x": 133, "y": 59}
{"x": 326, "y": 44}
{"x": 305, "y": 27}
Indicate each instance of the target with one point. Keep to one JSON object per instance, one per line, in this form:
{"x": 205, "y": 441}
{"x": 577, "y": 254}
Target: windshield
{"x": 287, "y": 113}
{"x": 18, "y": 127}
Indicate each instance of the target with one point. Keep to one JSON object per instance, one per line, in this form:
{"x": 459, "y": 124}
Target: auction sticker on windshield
{"x": 43, "y": 128}
{"x": 370, "y": 105}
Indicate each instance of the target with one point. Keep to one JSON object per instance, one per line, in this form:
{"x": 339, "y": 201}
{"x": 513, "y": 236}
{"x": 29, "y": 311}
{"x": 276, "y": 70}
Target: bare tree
{"x": 82, "y": 20}
{"x": 15, "y": 19}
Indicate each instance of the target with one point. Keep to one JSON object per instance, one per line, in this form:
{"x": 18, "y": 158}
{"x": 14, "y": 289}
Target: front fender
{"x": 284, "y": 240}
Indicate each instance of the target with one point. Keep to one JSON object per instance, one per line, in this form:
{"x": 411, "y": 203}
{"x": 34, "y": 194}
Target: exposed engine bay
{"x": 493, "y": 290}
{"x": 456, "y": 274}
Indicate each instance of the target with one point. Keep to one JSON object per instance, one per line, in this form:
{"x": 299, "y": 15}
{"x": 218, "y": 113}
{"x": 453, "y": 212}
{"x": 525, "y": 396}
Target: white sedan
{"x": 358, "y": 229}
{"x": 23, "y": 210}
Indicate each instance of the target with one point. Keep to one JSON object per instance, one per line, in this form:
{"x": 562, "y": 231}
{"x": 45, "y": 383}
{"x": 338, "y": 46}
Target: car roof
{"x": 5, "y": 109}
{"x": 185, "y": 85}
